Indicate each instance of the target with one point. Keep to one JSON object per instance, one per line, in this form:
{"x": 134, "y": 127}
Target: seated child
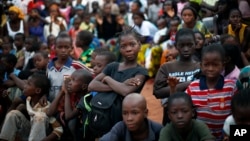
{"x": 240, "y": 111}
{"x": 135, "y": 125}
{"x": 94, "y": 53}
{"x": 212, "y": 94}
{"x": 18, "y": 122}
{"x": 64, "y": 105}
{"x": 182, "y": 127}
{"x": 7, "y": 48}
{"x": 102, "y": 59}
{"x": 200, "y": 41}
{"x": 83, "y": 41}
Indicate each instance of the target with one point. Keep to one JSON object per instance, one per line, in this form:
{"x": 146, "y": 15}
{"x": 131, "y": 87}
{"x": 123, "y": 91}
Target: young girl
{"x": 57, "y": 22}
{"x": 182, "y": 127}
{"x": 237, "y": 29}
{"x": 189, "y": 17}
{"x": 200, "y": 41}
{"x": 73, "y": 31}
{"x": 212, "y": 94}
{"x": 112, "y": 80}
{"x": 185, "y": 68}
{"x": 144, "y": 27}
{"x": 240, "y": 111}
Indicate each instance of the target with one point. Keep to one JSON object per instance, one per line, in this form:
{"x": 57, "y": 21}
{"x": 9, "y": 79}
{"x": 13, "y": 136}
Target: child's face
{"x": 77, "y": 23}
{"x": 137, "y": 20}
{"x": 212, "y": 65}
{"x": 133, "y": 115}
{"x": 6, "y": 48}
{"x": 44, "y": 47}
{"x": 87, "y": 19}
{"x": 180, "y": 113}
{"x": 40, "y": 62}
{"x": 242, "y": 115}
{"x": 29, "y": 88}
{"x": 9, "y": 67}
{"x": 188, "y": 16}
{"x": 199, "y": 41}
{"x": 222, "y": 7}
{"x": 235, "y": 18}
{"x": 185, "y": 45}
{"x": 100, "y": 63}
{"x": 75, "y": 83}
{"x": 28, "y": 44}
{"x": 51, "y": 41}
{"x": 18, "y": 41}
{"x": 134, "y": 7}
{"x": 63, "y": 48}
{"x": 129, "y": 47}
{"x": 161, "y": 24}
{"x": 174, "y": 25}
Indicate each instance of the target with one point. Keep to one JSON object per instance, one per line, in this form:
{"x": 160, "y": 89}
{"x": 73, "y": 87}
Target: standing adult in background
{"x": 16, "y": 23}
{"x": 107, "y": 26}
{"x": 153, "y": 10}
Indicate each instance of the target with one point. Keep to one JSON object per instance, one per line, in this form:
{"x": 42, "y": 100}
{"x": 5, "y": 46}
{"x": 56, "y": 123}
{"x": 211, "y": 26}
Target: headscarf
{"x": 18, "y": 11}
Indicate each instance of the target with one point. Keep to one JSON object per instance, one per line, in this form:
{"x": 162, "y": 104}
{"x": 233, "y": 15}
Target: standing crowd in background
{"x": 74, "y": 69}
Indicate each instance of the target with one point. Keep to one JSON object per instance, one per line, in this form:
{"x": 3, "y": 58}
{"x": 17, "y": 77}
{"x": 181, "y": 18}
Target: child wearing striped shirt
{"x": 212, "y": 94}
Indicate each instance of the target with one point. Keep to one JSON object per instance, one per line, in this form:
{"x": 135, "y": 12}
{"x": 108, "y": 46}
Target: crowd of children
{"x": 74, "y": 69}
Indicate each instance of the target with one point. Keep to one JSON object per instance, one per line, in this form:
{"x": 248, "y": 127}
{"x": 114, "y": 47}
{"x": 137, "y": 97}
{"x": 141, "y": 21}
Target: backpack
{"x": 85, "y": 108}
{"x": 105, "y": 112}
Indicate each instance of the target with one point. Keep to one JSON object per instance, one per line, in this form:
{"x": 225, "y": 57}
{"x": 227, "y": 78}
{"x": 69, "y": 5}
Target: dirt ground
{"x": 154, "y": 106}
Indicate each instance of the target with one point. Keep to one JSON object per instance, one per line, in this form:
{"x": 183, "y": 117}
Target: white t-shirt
{"x": 160, "y": 33}
{"x": 55, "y": 27}
{"x": 146, "y": 29}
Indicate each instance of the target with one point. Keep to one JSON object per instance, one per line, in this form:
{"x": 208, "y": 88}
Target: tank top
{"x": 13, "y": 33}
{"x": 241, "y": 33}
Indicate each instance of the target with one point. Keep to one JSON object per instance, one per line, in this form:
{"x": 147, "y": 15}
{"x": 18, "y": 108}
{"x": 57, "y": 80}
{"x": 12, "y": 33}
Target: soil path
{"x": 154, "y": 106}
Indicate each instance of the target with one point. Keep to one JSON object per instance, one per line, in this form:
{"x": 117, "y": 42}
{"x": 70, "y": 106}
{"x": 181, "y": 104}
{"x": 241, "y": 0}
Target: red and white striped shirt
{"x": 213, "y": 105}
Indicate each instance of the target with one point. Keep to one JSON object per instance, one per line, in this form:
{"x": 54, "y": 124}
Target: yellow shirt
{"x": 241, "y": 33}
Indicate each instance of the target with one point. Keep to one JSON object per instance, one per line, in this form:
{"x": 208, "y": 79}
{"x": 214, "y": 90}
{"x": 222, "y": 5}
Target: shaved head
{"x": 136, "y": 100}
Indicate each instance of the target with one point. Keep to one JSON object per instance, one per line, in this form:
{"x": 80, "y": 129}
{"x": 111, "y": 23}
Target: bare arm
{"x": 53, "y": 107}
{"x": 69, "y": 112}
{"x": 122, "y": 88}
{"x": 166, "y": 91}
{"x": 97, "y": 85}
{"x": 19, "y": 82}
{"x": 215, "y": 25}
{"x": 26, "y": 29}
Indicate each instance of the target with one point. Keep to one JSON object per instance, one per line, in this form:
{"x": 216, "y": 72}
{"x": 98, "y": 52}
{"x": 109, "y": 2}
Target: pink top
{"x": 233, "y": 75}
{"x": 65, "y": 12}
{"x": 244, "y": 8}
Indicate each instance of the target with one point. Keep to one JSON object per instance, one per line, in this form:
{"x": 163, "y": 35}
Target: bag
{"x": 105, "y": 112}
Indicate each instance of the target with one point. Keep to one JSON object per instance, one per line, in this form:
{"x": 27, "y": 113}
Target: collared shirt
{"x": 213, "y": 105}
{"x": 57, "y": 75}
{"x": 120, "y": 132}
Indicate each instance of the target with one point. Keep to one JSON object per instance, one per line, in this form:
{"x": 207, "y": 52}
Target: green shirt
{"x": 199, "y": 132}
{"x": 85, "y": 57}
